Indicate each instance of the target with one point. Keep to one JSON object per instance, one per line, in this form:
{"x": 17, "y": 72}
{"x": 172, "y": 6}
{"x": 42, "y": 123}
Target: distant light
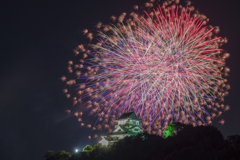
{"x": 76, "y": 150}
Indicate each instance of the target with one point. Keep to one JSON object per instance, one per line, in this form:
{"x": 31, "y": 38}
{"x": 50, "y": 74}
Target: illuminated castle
{"x": 127, "y": 125}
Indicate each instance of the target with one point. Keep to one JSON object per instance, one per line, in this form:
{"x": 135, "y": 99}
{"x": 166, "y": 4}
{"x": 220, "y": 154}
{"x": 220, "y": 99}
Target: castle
{"x": 128, "y": 124}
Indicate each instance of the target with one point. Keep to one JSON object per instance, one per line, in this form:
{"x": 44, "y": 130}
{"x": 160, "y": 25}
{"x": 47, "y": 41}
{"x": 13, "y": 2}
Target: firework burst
{"x": 165, "y": 64}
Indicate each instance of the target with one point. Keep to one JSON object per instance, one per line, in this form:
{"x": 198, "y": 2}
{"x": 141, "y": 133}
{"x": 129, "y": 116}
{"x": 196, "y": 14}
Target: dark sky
{"x": 37, "y": 38}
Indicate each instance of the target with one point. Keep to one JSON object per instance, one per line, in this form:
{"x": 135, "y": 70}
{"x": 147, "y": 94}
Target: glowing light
{"x": 166, "y": 65}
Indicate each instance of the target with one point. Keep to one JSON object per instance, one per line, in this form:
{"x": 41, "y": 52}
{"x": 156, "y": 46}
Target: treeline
{"x": 191, "y": 143}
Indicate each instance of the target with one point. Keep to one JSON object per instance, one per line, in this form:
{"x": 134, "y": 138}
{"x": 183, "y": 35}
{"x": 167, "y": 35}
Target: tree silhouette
{"x": 198, "y": 143}
{"x": 61, "y": 155}
{"x": 88, "y": 148}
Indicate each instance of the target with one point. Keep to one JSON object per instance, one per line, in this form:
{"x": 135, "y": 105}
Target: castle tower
{"x": 128, "y": 124}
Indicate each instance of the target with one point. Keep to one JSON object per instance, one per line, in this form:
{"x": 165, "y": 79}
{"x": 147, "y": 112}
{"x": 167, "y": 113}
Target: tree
{"x": 88, "y": 148}
{"x": 49, "y": 154}
{"x": 169, "y": 131}
{"x": 198, "y": 143}
{"x": 61, "y": 155}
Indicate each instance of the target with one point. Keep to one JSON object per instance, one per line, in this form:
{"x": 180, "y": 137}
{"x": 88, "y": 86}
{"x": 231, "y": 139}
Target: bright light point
{"x": 76, "y": 150}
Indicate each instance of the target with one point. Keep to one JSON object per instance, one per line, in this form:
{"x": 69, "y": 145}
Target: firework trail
{"x": 164, "y": 63}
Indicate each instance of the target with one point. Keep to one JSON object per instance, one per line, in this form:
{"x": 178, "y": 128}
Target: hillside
{"x": 191, "y": 143}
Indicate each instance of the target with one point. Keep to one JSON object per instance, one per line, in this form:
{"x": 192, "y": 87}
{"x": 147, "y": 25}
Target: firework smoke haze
{"x": 163, "y": 62}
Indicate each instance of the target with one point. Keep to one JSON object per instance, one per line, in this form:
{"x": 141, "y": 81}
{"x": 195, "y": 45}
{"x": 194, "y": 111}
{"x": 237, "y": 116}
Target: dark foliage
{"x": 61, "y": 155}
{"x": 198, "y": 143}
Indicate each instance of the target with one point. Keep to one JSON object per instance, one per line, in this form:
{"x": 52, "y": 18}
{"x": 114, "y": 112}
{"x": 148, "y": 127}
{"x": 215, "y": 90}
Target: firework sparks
{"x": 165, "y": 65}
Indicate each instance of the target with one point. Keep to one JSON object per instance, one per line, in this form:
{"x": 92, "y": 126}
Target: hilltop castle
{"x": 128, "y": 124}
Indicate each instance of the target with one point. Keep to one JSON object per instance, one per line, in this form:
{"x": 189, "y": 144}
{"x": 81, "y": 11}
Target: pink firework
{"x": 165, "y": 65}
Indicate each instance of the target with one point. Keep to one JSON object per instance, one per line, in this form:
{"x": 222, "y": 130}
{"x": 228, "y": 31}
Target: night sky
{"x": 37, "y": 38}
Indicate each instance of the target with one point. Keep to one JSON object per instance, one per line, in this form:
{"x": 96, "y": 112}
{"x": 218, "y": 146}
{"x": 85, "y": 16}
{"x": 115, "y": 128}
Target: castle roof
{"x": 128, "y": 115}
{"x": 127, "y": 128}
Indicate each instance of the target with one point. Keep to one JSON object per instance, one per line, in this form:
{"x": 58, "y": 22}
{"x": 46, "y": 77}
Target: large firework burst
{"x": 164, "y": 64}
